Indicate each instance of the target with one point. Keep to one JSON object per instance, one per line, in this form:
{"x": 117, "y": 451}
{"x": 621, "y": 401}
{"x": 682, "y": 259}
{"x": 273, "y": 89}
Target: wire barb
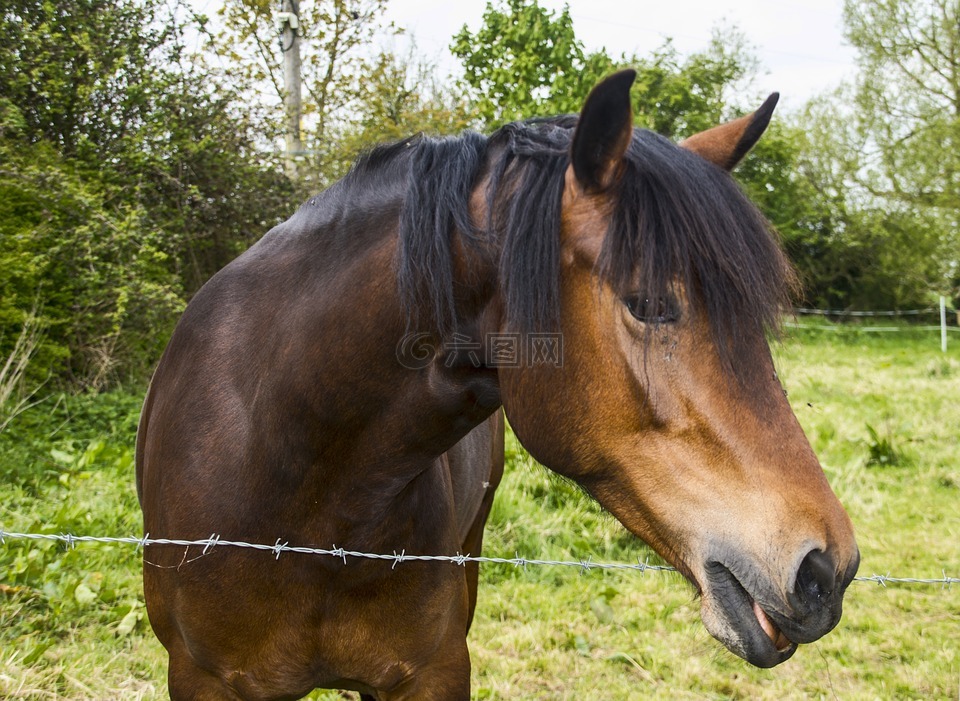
{"x": 211, "y": 543}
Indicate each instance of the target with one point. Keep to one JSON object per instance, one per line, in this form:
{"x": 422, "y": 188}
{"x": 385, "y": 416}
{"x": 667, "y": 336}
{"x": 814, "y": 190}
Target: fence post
{"x": 943, "y": 323}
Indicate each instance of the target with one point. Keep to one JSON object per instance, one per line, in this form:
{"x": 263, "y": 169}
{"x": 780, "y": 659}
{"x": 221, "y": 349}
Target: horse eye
{"x": 661, "y": 310}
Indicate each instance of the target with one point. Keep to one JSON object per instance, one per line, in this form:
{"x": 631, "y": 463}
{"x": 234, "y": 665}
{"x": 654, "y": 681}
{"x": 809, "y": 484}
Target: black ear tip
{"x": 766, "y": 109}
{"x": 760, "y": 121}
{"x": 612, "y": 90}
{"x": 623, "y": 78}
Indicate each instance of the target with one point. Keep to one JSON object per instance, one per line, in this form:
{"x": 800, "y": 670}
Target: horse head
{"x": 666, "y": 406}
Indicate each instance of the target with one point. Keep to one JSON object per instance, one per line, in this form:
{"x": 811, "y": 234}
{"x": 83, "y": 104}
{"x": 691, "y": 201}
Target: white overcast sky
{"x": 798, "y": 42}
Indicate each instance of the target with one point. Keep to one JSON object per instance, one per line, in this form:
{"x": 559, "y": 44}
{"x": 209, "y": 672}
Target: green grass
{"x": 883, "y": 413}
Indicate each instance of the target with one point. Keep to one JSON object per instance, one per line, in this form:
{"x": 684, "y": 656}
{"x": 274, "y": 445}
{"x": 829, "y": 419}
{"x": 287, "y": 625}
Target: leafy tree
{"x": 908, "y": 96}
{"x": 526, "y": 61}
{"x": 72, "y": 71}
{"x": 334, "y": 68}
{"x": 82, "y": 261}
{"x": 399, "y": 97}
{"x": 869, "y": 252}
{"x": 678, "y": 97}
{"x": 125, "y": 178}
{"x": 907, "y": 129}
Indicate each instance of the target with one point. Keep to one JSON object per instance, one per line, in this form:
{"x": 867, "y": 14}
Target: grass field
{"x": 883, "y": 413}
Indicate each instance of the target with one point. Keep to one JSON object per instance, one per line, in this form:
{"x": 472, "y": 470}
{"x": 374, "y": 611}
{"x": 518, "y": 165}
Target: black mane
{"x": 678, "y": 220}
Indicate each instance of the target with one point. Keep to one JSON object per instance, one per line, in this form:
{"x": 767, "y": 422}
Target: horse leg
{"x": 187, "y": 682}
{"x": 447, "y": 679}
{"x": 473, "y": 543}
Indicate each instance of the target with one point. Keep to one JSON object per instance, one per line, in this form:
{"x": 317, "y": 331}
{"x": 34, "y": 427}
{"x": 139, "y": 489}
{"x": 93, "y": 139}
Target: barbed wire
{"x": 278, "y": 548}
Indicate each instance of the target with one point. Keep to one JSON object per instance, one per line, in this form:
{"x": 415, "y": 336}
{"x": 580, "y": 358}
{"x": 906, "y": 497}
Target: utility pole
{"x": 289, "y": 22}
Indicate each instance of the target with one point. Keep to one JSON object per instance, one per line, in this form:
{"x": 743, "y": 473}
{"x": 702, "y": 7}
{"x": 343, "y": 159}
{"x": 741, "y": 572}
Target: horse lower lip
{"x": 778, "y": 639}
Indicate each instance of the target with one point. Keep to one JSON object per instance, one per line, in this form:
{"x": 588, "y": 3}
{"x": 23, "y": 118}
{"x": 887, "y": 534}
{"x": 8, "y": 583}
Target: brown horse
{"x": 341, "y": 383}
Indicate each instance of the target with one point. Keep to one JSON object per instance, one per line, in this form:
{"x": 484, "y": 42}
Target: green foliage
{"x": 335, "y": 66}
{"x": 680, "y": 96}
{"x": 526, "y": 61}
{"x": 133, "y": 187}
{"x": 908, "y": 95}
{"x": 92, "y": 268}
{"x": 883, "y": 452}
{"x": 400, "y": 96}
{"x": 851, "y": 253}
{"x": 883, "y": 154}
{"x": 77, "y": 70}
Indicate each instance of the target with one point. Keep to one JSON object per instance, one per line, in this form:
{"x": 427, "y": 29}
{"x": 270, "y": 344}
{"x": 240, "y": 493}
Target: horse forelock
{"x": 677, "y": 220}
{"x": 680, "y": 220}
{"x": 521, "y": 166}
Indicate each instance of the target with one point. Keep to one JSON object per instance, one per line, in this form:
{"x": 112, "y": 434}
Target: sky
{"x": 800, "y": 44}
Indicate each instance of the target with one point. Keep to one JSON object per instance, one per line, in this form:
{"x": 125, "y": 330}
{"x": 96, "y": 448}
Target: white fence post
{"x": 943, "y": 323}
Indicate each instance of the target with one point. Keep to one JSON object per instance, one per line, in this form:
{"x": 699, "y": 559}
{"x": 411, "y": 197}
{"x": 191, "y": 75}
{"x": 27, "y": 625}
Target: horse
{"x": 346, "y": 382}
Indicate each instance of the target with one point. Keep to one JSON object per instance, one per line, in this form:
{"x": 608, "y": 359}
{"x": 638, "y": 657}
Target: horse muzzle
{"x": 745, "y": 610}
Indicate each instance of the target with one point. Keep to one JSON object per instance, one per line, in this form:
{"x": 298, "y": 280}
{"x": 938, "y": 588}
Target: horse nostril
{"x": 816, "y": 577}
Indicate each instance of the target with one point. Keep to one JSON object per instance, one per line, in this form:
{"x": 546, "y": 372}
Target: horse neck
{"x": 360, "y": 386}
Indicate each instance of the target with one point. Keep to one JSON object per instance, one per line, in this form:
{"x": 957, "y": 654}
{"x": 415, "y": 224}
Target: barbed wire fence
{"x": 279, "y": 548}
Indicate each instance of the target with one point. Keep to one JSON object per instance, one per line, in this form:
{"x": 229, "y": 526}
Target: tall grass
{"x": 14, "y": 397}
{"x": 72, "y": 624}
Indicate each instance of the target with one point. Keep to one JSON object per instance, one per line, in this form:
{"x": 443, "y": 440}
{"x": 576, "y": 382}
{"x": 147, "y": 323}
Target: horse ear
{"x": 728, "y": 143}
{"x": 603, "y": 132}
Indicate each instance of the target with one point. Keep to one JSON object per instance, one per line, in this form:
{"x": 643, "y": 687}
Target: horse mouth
{"x": 734, "y": 616}
{"x": 779, "y": 640}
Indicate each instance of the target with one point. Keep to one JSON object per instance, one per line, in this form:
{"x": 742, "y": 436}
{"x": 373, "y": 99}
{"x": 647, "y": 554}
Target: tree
{"x": 400, "y": 96}
{"x": 125, "y": 180}
{"x": 72, "y": 71}
{"x": 526, "y": 61}
{"x": 869, "y": 252}
{"x": 909, "y": 96}
{"x": 679, "y": 96}
{"x": 334, "y": 67}
{"x": 908, "y": 119}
